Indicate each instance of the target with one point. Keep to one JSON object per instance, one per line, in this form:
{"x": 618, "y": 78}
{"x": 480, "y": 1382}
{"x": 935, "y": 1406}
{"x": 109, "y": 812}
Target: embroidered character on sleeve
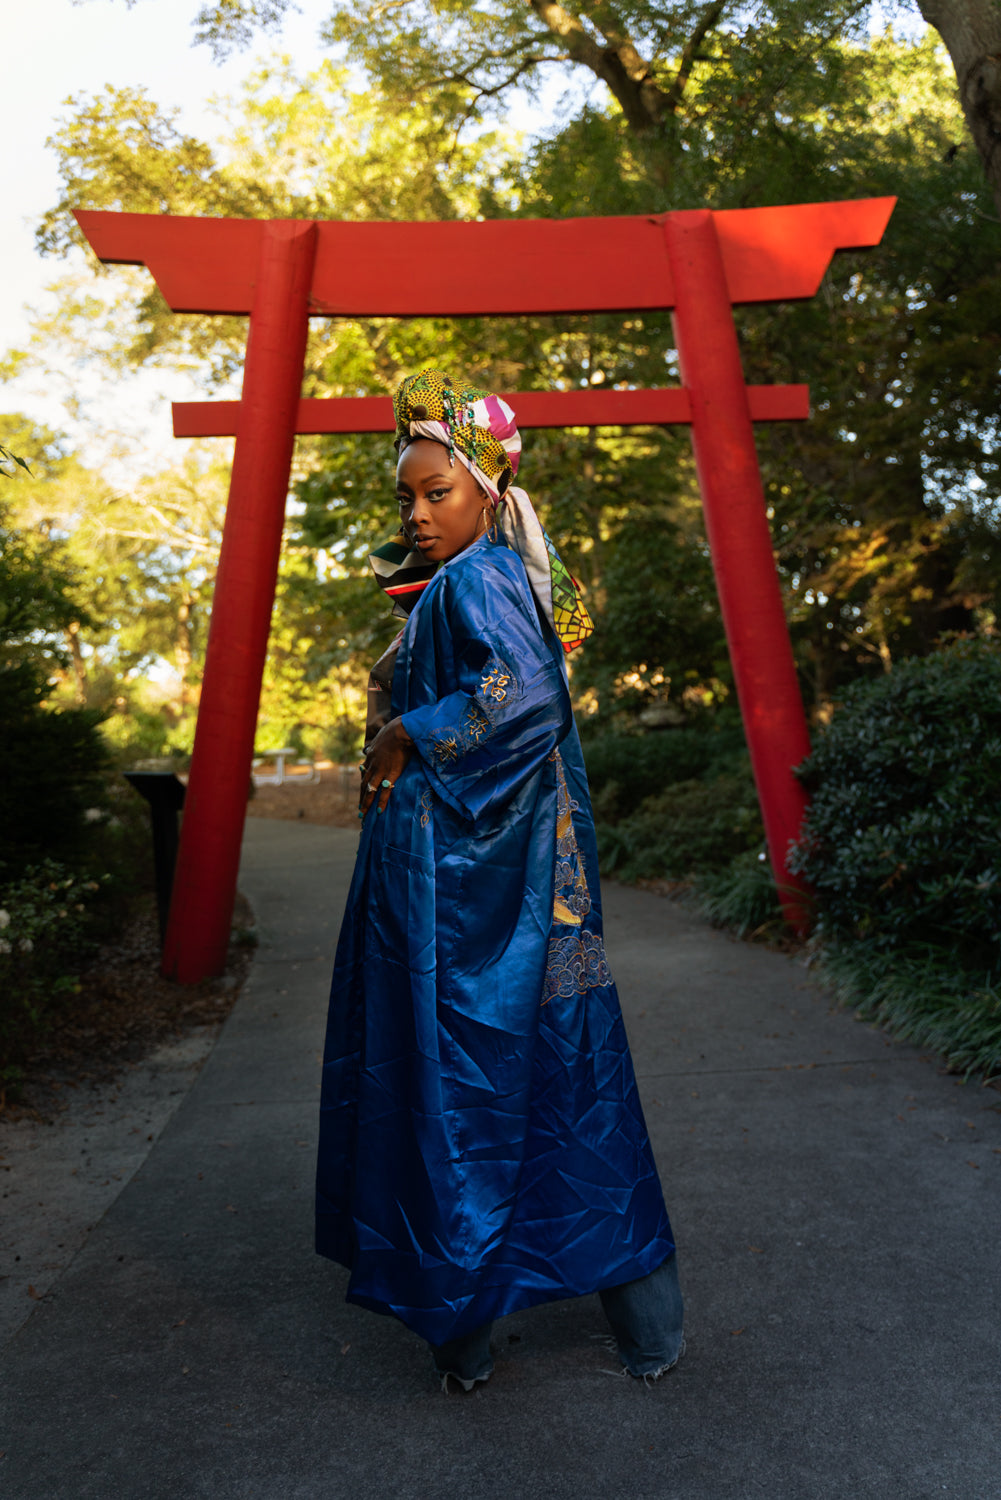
{"x": 495, "y": 686}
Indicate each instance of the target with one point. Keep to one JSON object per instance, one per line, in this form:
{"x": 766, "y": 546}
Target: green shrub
{"x": 120, "y": 850}
{"x": 136, "y": 734}
{"x": 902, "y": 840}
{"x": 902, "y": 846}
{"x": 623, "y": 770}
{"x": 341, "y": 741}
{"x": 690, "y": 826}
{"x": 52, "y": 767}
{"x": 46, "y": 935}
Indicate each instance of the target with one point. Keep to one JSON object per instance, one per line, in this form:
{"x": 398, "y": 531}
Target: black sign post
{"x": 165, "y": 794}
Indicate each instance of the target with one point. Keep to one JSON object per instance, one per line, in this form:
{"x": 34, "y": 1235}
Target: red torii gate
{"x": 282, "y": 272}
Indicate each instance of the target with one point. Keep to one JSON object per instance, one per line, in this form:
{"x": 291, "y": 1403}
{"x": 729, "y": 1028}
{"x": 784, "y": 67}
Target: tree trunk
{"x": 77, "y": 662}
{"x": 182, "y": 650}
{"x": 971, "y": 30}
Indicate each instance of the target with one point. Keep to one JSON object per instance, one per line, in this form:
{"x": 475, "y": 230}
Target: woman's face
{"x": 441, "y": 505}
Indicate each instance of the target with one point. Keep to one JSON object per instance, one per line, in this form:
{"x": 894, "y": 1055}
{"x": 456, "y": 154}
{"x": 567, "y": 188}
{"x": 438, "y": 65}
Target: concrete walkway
{"x": 836, "y": 1202}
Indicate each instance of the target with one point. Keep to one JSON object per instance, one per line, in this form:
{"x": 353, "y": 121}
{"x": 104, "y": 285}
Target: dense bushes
{"x": 672, "y": 802}
{"x": 46, "y": 933}
{"x": 52, "y": 770}
{"x": 902, "y": 846}
{"x": 625, "y": 769}
{"x": 690, "y": 826}
{"x": 73, "y": 847}
{"x": 902, "y": 841}
{"x": 54, "y": 914}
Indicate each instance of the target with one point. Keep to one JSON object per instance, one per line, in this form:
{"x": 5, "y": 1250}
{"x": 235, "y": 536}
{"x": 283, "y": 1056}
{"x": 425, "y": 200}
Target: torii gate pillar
{"x": 216, "y": 803}
{"x": 740, "y": 541}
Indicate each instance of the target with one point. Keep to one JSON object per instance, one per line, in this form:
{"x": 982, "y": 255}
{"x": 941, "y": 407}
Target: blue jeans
{"x": 646, "y": 1317}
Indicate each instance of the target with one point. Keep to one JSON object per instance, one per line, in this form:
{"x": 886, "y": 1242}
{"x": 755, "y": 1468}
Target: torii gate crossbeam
{"x": 282, "y": 272}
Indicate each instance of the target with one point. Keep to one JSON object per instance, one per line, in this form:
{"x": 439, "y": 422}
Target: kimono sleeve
{"x": 482, "y": 742}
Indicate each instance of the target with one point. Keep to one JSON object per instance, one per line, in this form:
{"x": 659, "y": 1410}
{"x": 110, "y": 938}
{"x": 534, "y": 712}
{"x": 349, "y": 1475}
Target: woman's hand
{"x": 382, "y": 766}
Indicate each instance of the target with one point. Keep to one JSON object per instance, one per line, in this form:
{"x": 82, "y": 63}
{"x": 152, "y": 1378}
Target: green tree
{"x": 51, "y": 763}
{"x": 884, "y": 505}
{"x": 971, "y": 30}
{"x": 133, "y": 586}
{"x": 38, "y": 583}
{"x": 655, "y": 60}
{"x": 297, "y": 146}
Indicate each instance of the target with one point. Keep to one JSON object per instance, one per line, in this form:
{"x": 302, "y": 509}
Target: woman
{"x": 482, "y": 1146}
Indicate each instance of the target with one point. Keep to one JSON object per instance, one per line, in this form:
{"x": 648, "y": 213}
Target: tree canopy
{"x": 660, "y": 63}
{"x": 884, "y": 505}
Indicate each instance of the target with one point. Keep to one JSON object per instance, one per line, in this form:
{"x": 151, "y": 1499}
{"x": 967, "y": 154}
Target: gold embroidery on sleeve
{"x": 494, "y": 683}
{"x": 476, "y": 724}
{"x": 445, "y": 748}
{"x": 447, "y": 745}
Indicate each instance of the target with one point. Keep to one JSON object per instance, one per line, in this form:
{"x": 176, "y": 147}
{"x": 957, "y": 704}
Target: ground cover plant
{"x": 743, "y": 898}
{"x": 45, "y": 937}
{"x": 56, "y": 913}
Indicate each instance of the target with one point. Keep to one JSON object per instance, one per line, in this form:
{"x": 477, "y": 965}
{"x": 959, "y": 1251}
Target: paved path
{"x": 836, "y": 1202}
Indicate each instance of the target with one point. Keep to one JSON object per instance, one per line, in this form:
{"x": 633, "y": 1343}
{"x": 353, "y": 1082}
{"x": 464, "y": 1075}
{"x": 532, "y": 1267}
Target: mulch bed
{"x": 125, "y": 1008}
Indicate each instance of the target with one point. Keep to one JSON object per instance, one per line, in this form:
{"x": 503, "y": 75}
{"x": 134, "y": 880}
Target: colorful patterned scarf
{"x": 480, "y": 430}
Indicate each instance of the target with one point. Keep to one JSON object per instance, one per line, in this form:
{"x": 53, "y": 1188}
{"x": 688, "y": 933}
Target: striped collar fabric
{"x": 402, "y": 573}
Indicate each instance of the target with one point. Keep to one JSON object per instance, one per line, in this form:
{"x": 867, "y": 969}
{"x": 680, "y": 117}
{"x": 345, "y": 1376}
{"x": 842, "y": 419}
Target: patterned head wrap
{"x": 479, "y": 429}
{"x": 477, "y": 426}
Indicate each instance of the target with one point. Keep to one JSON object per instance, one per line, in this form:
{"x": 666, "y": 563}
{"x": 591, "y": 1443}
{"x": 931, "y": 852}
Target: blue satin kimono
{"x": 482, "y": 1146}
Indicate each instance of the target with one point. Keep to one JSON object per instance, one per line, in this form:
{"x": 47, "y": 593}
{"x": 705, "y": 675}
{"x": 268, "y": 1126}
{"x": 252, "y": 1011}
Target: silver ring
{"x": 372, "y": 786}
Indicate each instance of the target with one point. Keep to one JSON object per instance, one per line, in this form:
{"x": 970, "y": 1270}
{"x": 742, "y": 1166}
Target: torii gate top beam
{"x": 492, "y": 268}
